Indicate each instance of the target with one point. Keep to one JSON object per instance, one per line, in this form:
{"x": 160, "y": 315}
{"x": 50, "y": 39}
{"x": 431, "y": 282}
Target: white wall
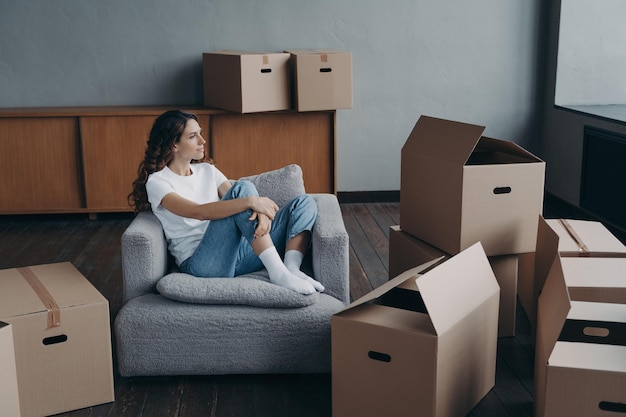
{"x": 592, "y": 53}
{"x": 472, "y": 61}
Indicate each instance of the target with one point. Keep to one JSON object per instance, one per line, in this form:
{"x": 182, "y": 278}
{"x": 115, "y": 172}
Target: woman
{"x": 215, "y": 228}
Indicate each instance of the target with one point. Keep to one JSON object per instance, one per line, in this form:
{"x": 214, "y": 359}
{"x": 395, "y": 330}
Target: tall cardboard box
{"x": 459, "y": 187}
{"x": 406, "y": 252}
{"x": 246, "y": 82}
{"x": 422, "y": 344}
{"x": 9, "y": 395}
{"x": 322, "y": 79}
{"x": 586, "y": 238}
{"x": 62, "y": 338}
{"x": 580, "y": 355}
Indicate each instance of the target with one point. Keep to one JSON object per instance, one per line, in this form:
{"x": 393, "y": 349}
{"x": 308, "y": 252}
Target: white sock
{"x": 293, "y": 262}
{"x": 280, "y": 275}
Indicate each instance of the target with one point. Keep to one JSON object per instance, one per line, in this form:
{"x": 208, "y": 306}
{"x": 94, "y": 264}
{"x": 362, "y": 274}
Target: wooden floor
{"x": 93, "y": 247}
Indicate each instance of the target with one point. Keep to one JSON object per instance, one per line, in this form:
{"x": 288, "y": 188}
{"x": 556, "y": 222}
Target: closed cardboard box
{"x": 9, "y": 395}
{"x": 62, "y": 338}
{"x": 595, "y": 279}
{"x": 322, "y": 79}
{"x": 459, "y": 187}
{"x": 580, "y": 354}
{"x": 246, "y": 82}
{"x": 586, "y": 238}
{"x": 423, "y": 343}
{"x": 406, "y": 252}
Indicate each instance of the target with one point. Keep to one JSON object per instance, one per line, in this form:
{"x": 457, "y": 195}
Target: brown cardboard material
{"x": 423, "y": 343}
{"x": 595, "y": 279}
{"x": 586, "y": 238}
{"x": 406, "y": 252}
{"x": 59, "y": 367}
{"x": 322, "y": 79}
{"x": 580, "y": 366}
{"x": 9, "y": 395}
{"x": 246, "y": 82}
{"x": 459, "y": 188}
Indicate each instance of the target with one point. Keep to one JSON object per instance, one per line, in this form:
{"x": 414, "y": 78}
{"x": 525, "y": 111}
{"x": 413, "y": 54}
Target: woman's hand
{"x": 264, "y": 206}
{"x": 263, "y": 226}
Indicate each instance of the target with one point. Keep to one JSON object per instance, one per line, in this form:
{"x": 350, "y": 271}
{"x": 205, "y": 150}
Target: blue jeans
{"x": 225, "y": 249}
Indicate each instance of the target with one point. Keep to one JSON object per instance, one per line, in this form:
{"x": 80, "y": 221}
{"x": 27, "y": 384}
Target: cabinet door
{"x": 248, "y": 144}
{"x": 40, "y": 168}
{"x": 113, "y": 147}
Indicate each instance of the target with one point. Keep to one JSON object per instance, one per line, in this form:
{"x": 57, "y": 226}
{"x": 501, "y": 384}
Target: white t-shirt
{"x": 184, "y": 234}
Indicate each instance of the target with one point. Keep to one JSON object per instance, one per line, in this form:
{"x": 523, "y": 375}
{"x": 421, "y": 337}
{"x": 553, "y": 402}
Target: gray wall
{"x": 562, "y": 133}
{"x": 473, "y": 61}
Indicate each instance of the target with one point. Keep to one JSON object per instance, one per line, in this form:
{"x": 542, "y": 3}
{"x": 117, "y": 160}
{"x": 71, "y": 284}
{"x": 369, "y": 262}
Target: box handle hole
{"x": 326, "y": 69}
{"x": 266, "y": 70}
{"x": 502, "y": 190}
{"x": 378, "y": 356}
{"x": 53, "y": 340}
{"x": 611, "y": 406}
{"x": 596, "y": 331}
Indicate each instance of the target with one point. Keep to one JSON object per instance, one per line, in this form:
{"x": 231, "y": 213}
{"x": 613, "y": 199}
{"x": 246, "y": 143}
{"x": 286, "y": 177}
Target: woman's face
{"x": 191, "y": 144}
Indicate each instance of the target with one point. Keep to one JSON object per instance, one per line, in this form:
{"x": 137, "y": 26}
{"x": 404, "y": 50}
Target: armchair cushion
{"x": 281, "y": 185}
{"x": 252, "y": 289}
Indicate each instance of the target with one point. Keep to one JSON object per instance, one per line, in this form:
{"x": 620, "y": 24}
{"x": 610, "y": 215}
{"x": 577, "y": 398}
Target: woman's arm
{"x": 220, "y": 209}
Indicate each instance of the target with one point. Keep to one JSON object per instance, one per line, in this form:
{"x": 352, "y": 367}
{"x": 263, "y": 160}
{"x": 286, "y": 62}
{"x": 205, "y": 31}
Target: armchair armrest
{"x": 144, "y": 255}
{"x": 330, "y": 248}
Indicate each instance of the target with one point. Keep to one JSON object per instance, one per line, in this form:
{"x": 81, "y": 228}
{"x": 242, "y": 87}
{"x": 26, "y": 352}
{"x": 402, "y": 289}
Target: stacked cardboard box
{"x": 62, "y": 338}
{"x": 583, "y": 245}
{"x": 581, "y": 327}
{"x": 458, "y": 188}
{"x": 305, "y": 80}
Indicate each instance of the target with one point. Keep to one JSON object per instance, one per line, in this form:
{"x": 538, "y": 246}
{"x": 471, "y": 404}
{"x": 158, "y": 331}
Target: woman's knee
{"x": 242, "y": 188}
{"x": 306, "y": 206}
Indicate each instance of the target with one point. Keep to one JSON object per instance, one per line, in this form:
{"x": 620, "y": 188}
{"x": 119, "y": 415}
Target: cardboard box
{"x": 246, "y": 82}
{"x": 406, "y": 252}
{"x": 580, "y": 367}
{"x": 322, "y": 79}
{"x": 422, "y": 344}
{"x": 586, "y": 238}
{"x": 9, "y": 395}
{"x": 62, "y": 338}
{"x": 595, "y": 279}
{"x": 459, "y": 188}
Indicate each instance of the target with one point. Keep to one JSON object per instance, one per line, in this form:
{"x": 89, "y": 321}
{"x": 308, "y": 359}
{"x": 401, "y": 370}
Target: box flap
{"x": 511, "y": 152}
{"x": 458, "y": 286}
{"x": 554, "y": 306}
{"x": 443, "y": 139}
{"x": 413, "y": 272}
{"x": 62, "y": 281}
{"x": 314, "y": 51}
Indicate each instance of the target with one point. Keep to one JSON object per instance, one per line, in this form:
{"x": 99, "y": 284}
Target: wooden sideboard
{"x": 84, "y": 159}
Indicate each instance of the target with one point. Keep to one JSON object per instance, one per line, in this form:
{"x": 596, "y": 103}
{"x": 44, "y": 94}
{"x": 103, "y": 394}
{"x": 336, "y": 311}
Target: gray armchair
{"x": 174, "y": 324}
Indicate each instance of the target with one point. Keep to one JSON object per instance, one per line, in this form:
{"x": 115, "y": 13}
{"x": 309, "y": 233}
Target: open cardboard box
{"x": 586, "y": 238}
{"x": 406, "y": 252}
{"x": 423, "y": 343}
{"x": 246, "y": 82}
{"x": 459, "y": 187}
{"x": 62, "y": 338}
{"x": 9, "y": 394}
{"x": 322, "y": 79}
{"x": 580, "y": 355}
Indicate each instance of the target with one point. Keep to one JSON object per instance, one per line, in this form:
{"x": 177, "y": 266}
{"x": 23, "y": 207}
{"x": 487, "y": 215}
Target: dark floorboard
{"x": 93, "y": 247}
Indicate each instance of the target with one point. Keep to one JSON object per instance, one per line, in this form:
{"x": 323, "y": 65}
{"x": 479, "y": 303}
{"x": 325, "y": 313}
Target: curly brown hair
{"x": 166, "y": 131}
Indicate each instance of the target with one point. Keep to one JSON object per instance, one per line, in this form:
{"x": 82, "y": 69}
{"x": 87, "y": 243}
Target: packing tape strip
{"x": 583, "y": 250}
{"x": 266, "y": 60}
{"x": 54, "y": 312}
{"x": 324, "y": 57}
